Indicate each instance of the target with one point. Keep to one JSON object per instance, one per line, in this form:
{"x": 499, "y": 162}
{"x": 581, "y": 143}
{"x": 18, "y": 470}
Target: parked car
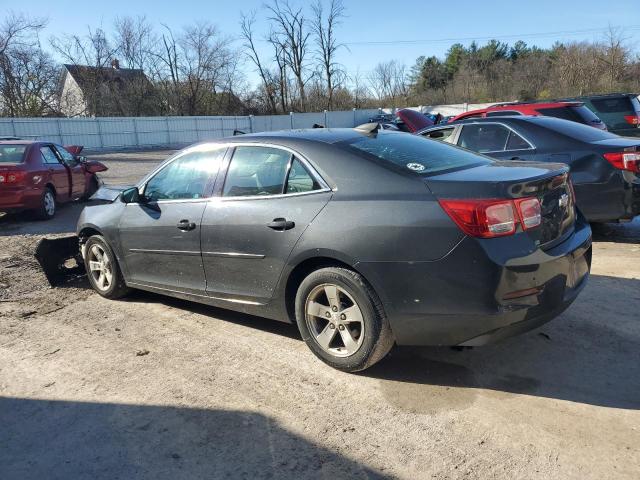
{"x": 407, "y": 120}
{"x": 38, "y": 175}
{"x": 574, "y": 111}
{"x": 619, "y": 111}
{"x": 362, "y": 237}
{"x": 605, "y": 168}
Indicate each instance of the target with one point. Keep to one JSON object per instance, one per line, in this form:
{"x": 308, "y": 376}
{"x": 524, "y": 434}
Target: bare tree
{"x": 249, "y": 45}
{"x": 292, "y": 35}
{"x": 27, "y": 73}
{"x": 327, "y": 43}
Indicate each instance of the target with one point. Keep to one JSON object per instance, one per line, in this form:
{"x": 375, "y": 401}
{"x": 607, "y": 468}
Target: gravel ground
{"x": 152, "y": 387}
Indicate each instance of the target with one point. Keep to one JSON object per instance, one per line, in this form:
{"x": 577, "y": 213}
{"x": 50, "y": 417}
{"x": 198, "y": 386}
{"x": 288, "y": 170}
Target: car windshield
{"x": 12, "y": 153}
{"x": 415, "y": 153}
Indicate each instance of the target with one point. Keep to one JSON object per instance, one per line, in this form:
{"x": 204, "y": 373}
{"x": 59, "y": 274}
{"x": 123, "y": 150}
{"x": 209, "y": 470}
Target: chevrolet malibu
{"x": 364, "y": 238}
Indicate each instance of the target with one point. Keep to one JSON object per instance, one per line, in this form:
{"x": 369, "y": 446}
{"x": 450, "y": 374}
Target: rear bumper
{"x": 13, "y": 199}
{"x": 464, "y": 298}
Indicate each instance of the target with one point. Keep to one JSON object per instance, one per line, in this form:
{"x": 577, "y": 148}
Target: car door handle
{"x": 281, "y": 224}
{"x": 186, "y": 225}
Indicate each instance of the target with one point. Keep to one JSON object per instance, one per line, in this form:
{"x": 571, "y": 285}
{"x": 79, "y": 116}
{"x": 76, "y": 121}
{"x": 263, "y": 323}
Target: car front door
{"x": 76, "y": 172}
{"x": 57, "y": 172}
{"x": 160, "y": 234}
{"x": 269, "y": 197}
{"x": 496, "y": 140}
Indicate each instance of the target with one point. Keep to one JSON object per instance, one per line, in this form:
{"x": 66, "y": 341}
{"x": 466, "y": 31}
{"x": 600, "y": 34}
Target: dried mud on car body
{"x": 223, "y": 394}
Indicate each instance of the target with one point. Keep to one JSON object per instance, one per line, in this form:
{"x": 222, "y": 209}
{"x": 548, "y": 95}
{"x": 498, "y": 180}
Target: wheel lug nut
{"x": 341, "y": 327}
{"x": 343, "y": 317}
{"x": 332, "y": 326}
{"x": 328, "y": 315}
{"x": 334, "y": 308}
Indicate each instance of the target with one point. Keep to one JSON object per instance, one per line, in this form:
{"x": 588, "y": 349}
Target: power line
{"x": 494, "y": 37}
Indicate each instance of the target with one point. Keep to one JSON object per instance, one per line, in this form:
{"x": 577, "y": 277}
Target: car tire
{"x": 47, "y": 208}
{"x": 103, "y": 269}
{"x": 346, "y": 338}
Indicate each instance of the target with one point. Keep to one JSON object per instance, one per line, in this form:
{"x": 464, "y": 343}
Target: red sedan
{"x": 37, "y": 175}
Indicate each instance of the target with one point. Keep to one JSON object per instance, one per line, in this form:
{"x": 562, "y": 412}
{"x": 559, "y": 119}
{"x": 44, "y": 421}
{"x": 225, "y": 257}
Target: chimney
{"x": 115, "y": 64}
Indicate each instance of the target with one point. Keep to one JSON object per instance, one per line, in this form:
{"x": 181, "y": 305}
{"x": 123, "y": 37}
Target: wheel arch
{"x": 310, "y": 264}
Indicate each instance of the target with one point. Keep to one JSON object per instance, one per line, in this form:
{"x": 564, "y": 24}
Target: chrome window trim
{"x": 531, "y": 147}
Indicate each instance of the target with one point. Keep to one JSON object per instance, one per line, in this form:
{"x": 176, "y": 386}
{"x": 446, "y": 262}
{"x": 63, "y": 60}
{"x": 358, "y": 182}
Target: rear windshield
{"x": 613, "y": 105}
{"x": 575, "y": 130}
{"x": 12, "y": 153}
{"x": 579, "y": 114}
{"x": 415, "y": 153}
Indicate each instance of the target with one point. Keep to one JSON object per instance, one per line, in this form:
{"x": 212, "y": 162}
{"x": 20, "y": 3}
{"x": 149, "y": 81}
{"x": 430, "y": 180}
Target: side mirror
{"x": 130, "y": 195}
{"x": 94, "y": 167}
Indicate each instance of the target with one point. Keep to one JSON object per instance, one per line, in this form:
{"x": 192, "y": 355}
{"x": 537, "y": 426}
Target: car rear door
{"x": 496, "y": 140}
{"x": 58, "y": 174}
{"x": 160, "y": 234}
{"x": 269, "y": 197}
{"x": 76, "y": 172}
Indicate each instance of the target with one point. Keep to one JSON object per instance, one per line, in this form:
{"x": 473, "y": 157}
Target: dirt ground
{"x": 151, "y": 387}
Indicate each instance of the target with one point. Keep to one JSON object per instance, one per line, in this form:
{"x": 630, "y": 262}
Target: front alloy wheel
{"x": 100, "y": 267}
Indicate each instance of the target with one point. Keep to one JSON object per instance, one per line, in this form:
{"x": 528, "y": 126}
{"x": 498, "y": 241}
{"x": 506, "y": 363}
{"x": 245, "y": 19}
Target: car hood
{"x": 109, "y": 193}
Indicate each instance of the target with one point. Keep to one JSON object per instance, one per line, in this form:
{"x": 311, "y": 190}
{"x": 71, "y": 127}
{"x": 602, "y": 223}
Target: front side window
{"x": 66, "y": 156}
{"x": 186, "y": 177}
{"x": 484, "y": 137}
{"x": 48, "y": 156}
{"x": 256, "y": 171}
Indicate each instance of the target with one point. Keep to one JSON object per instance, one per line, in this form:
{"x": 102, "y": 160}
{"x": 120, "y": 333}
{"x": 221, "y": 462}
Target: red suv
{"x": 574, "y": 111}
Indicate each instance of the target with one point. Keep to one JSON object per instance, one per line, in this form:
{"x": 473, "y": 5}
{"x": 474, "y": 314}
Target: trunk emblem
{"x": 564, "y": 200}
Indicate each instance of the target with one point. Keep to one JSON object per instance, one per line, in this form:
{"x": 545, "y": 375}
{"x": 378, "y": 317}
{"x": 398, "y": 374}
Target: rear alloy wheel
{"x": 341, "y": 319}
{"x": 103, "y": 269}
{"x": 47, "y": 209}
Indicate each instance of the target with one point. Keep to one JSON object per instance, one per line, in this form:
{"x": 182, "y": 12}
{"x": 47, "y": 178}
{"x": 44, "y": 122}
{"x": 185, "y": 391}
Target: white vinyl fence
{"x": 132, "y": 132}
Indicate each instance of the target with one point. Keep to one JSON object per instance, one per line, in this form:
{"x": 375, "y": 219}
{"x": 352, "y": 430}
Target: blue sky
{"x": 438, "y": 23}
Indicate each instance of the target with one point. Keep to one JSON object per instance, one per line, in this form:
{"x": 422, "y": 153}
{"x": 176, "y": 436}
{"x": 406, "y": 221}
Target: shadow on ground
{"x": 617, "y": 232}
{"x": 62, "y": 440}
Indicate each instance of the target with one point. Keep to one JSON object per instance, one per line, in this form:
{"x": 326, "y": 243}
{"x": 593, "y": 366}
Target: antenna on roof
{"x": 368, "y": 128}
{"x": 318, "y": 125}
{"x": 238, "y": 132}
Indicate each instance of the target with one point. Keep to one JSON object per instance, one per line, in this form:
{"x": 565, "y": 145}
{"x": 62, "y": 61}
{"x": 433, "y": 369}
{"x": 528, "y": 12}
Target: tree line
{"x": 200, "y": 70}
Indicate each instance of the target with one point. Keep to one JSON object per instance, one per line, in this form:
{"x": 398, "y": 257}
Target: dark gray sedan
{"x": 363, "y": 238}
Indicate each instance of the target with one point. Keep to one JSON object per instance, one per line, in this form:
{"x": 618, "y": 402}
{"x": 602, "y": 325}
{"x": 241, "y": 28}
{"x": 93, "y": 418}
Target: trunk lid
{"x": 549, "y": 182}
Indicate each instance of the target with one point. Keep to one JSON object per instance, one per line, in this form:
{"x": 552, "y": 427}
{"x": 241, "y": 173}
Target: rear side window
{"x": 12, "y": 153}
{"x": 580, "y": 114}
{"x": 613, "y": 105}
{"x": 256, "y": 171}
{"x": 484, "y": 137}
{"x": 414, "y": 153}
{"x": 299, "y": 179}
{"x": 48, "y": 156}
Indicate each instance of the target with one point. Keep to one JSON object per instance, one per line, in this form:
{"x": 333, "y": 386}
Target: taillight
{"x": 624, "y": 160}
{"x": 493, "y": 218}
{"x": 12, "y": 177}
{"x": 632, "y": 119}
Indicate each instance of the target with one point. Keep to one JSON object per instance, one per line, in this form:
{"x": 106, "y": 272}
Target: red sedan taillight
{"x": 12, "y": 177}
{"x": 493, "y": 218}
{"x": 629, "y": 161}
